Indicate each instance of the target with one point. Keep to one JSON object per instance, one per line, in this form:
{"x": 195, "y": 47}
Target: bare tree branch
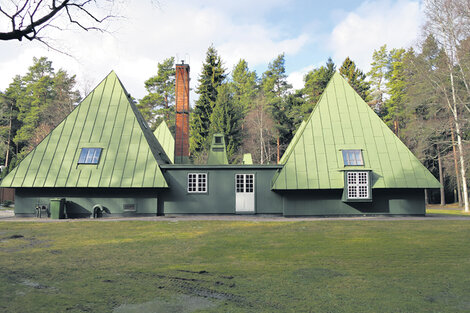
{"x": 29, "y": 17}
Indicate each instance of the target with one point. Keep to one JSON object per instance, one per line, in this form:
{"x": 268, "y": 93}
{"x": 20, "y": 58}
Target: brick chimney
{"x": 182, "y": 114}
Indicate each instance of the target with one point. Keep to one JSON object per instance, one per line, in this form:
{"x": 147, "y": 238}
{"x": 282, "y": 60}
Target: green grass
{"x": 235, "y": 266}
{"x": 447, "y": 211}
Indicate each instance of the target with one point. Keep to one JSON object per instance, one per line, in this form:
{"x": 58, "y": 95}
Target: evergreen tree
{"x": 227, "y": 118}
{"x": 275, "y": 88}
{"x": 158, "y": 104}
{"x": 397, "y": 111}
{"x": 355, "y": 77}
{"x": 244, "y": 84}
{"x": 37, "y": 103}
{"x": 274, "y": 80}
{"x": 315, "y": 83}
{"x": 211, "y": 77}
{"x": 378, "y": 74}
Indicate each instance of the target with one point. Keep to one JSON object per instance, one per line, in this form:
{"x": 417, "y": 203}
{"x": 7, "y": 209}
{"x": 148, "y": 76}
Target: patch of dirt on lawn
{"x": 18, "y": 242}
{"x": 180, "y": 304}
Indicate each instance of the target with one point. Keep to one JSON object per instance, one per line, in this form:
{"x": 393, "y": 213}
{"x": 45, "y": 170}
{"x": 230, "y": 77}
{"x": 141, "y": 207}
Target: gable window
{"x": 352, "y": 157}
{"x": 197, "y": 182}
{"x": 90, "y": 156}
{"x": 358, "y": 185}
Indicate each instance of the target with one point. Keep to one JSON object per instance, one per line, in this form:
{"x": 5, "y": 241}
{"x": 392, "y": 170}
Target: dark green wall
{"x": 220, "y": 198}
{"x": 80, "y": 201}
{"x": 328, "y": 202}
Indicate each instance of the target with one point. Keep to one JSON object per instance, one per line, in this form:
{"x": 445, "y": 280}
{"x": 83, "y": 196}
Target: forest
{"x": 422, "y": 93}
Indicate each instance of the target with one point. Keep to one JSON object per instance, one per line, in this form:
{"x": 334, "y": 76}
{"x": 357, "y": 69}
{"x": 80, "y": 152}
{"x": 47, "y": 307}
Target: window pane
{"x": 352, "y": 157}
{"x": 90, "y": 156}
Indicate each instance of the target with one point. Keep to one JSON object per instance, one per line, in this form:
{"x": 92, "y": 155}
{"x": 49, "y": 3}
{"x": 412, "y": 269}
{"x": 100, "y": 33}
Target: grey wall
{"x": 220, "y": 198}
{"x": 80, "y": 201}
{"x": 328, "y": 202}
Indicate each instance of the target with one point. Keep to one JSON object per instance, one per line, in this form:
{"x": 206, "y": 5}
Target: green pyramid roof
{"x": 217, "y": 152}
{"x": 342, "y": 120}
{"x": 108, "y": 119}
{"x": 165, "y": 138}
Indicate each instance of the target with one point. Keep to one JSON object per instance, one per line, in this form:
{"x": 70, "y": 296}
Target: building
{"x": 342, "y": 161}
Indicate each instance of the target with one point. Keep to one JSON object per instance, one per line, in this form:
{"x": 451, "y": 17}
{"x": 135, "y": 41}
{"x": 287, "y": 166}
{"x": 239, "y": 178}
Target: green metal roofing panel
{"x": 217, "y": 152}
{"x": 107, "y": 119}
{"x": 343, "y": 121}
{"x": 165, "y": 138}
{"x": 292, "y": 143}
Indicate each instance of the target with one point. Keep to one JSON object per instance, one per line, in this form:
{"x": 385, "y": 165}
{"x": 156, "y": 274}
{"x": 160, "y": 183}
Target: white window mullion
{"x": 358, "y": 185}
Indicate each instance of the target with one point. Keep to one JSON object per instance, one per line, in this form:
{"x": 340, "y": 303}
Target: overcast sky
{"x": 307, "y": 31}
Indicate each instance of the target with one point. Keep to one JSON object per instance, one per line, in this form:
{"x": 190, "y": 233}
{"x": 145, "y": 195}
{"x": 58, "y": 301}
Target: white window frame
{"x": 197, "y": 183}
{"x": 358, "y": 185}
{"x": 90, "y": 156}
{"x": 352, "y": 157}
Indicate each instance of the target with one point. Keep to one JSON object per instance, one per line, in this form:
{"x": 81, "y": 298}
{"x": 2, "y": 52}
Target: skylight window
{"x": 352, "y": 157}
{"x": 90, "y": 156}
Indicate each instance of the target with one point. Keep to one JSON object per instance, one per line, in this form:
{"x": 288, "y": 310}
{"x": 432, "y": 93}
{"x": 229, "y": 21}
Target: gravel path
{"x": 8, "y": 215}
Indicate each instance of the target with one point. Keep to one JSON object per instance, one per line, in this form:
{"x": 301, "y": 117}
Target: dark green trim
{"x": 230, "y": 166}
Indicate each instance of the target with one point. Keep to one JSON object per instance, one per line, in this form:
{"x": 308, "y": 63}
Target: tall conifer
{"x": 211, "y": 77}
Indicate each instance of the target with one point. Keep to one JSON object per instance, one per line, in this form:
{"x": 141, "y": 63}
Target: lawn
{"x": 235, "y": 266}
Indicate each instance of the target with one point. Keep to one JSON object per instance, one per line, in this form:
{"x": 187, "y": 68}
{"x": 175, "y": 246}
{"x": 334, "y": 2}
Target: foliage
{"x": 315, "y": 83}
{"x": 355, "y": 77}
{"x": 36, "y": 102}
{"x": 226, "y": 118}
{"x": 212, "y": 76}
{"x": 275, "y": 89}
{"x": 244, "y": 85}
{"x": 158, "y": 104}
{"x": 239, "y": 266}
{"x": 259, "y": 131}
{"x": 378, "y": 78}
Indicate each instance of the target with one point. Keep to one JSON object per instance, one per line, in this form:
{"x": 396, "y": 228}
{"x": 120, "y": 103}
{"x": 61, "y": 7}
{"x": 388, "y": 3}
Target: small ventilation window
{"x": 352, "y": 157}
{"x": 129, "y": 207}
{"x": 90, "y": 156}
{"x": 218, "y": 140}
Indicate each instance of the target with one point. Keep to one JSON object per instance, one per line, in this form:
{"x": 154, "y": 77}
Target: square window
{"x": 352, "y": 157}
{"x": 90, "y": 156}
{"x": 197, "y": 182}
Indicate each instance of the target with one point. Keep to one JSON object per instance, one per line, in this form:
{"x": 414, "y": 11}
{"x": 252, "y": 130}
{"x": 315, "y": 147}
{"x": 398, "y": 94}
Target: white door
{"x": 245, "y": 193}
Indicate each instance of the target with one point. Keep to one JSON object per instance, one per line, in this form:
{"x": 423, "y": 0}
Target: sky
{"x": 148, "y": 31}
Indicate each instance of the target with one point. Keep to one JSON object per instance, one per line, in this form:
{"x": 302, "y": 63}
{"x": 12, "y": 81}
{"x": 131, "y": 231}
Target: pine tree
{"x": 211, "y": 77}
{"x": 355, "y": 77}
{"x": 397, "y": 111}
{"x": 244, "y": 84}
{"x": 276, "y": 88}
{"x": 38, "y": 102}
{"x": 315, "y": 83}
{"x": 158, "y": 104}
{"x": 378, "y": 74}
{"x": 227, "y": 118}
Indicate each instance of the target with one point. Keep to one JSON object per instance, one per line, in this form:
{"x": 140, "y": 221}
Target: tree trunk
{"x": 426, "y": 197}
{"x": 395, "y": 124}
{"x": 9, "y": 137}
{"x": 459, "y": 144}
{"x": 441, "y": 179}
{"x": 456, "y": 165}
{"x": 278, "y": 150}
